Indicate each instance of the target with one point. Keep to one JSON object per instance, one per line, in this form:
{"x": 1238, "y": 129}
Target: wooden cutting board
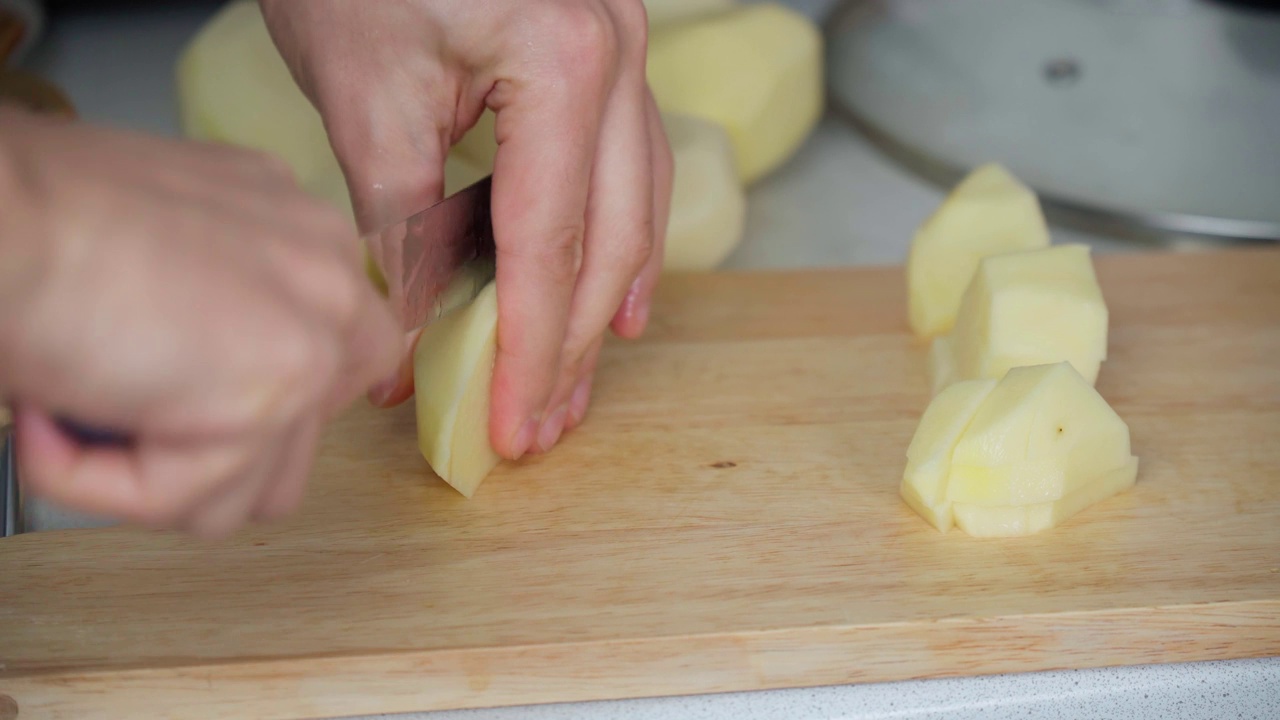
{"x": 726, "y": 519}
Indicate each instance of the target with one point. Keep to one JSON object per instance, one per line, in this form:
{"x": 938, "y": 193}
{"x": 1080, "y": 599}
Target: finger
{"x": 397, "y": 387}
{"x": 393, "y": 165}
{"x": 547, "y": 139}
{"x": 632, "y": 318}
{"x": 153, "y": 486}
{"x": 284, "y": 490}
{"x": 581, "y": 397}
{"x": 229, "y": 505}
{"x": 619, "y": 236}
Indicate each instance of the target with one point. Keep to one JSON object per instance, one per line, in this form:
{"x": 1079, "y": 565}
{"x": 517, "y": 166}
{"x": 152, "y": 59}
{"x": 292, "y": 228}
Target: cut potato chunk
{"x": 668, "y": 12}
{"x": 452, "y": 374}
{"x": 924, "y": 482}
{"x": 708, "y": 204}
{"x": 940, "y": 428}
{"x": 1016, "y": 456}
{"x": 942, "y": 364}
{"x": 755, "y": 69}
{"x": 1032, "y": 307}
{"x": 1010, "y": 521}
{"x": 988, "y": 213}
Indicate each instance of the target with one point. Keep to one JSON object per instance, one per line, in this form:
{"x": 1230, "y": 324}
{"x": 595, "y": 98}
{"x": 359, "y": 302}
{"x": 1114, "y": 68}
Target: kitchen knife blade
{"x": 420, "y": 257}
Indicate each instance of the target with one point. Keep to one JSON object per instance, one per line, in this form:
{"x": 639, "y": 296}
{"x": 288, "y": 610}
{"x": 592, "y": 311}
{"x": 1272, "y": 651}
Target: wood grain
{"x": 726, "y": 519}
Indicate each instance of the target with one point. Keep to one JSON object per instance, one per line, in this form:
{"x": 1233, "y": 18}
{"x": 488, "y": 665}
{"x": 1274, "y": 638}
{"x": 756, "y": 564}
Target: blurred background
{"x": 1140, "y": 122}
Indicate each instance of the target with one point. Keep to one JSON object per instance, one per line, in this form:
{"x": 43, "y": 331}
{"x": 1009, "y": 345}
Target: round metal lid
{"x": 1128, "y": 116}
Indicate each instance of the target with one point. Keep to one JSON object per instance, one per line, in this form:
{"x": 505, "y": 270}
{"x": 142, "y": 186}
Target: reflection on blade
{"x": 421, "y": 256}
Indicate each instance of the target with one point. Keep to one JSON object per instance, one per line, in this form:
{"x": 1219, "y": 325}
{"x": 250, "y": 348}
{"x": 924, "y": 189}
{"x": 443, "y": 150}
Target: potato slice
{"x": 452, "y": 374}
{"x": 708, "y": 204}
{"x": 1033, "y": 307}
{"x": 924, "y": 482}
{"x": 755, "y": 69}
{"x": 989, "y": 212}
{"x": 1016, "y": 456}
{"x": 1018, "y": 520}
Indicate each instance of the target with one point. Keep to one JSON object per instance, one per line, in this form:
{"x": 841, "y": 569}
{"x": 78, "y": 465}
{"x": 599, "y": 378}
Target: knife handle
{"x": 91, "y": 436}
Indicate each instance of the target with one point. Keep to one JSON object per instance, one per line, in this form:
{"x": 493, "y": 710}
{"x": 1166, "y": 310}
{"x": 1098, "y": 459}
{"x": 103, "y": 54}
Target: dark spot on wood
{"x": 724, "y": 465}
{"x": 259, "y": 544}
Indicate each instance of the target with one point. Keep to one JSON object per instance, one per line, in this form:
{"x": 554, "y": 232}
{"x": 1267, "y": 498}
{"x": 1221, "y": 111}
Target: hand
{"x": 582, "y": 180}
{"x": 190, "y": 295}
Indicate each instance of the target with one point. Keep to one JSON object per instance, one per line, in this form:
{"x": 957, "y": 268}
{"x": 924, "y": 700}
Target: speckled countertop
{"x": 839, "y": 202}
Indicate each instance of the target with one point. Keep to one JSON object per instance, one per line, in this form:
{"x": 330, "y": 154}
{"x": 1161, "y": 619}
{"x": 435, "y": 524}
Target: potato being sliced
{"x": 755, "y": 69}
{"x": 452, "y": 374}
{"x": 987, "y": 213}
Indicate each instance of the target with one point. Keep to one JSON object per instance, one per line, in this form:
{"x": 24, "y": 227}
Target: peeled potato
{"x": 667, "y": 12}
{"x": 452, "y": 373}
{"x": 1016, "y": 456}
{"x": 1026, "y": 308}
{"x": 929, "y": 456}
{"x": 988, "y": 213}
{"x": 233, "y": 87}
{"x": 708, "y": 204}
{"x": 755, "y": 69}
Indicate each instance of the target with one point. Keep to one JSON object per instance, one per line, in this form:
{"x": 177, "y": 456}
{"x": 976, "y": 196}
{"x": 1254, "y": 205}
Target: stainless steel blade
{"x": 422, "y": 256}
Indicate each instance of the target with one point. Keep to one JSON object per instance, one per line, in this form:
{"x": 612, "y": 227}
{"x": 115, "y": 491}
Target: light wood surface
{"x": 726, "y": 519}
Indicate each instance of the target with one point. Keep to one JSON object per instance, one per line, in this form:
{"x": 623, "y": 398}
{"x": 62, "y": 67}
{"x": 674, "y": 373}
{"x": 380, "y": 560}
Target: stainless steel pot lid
{"x": 1129, "y": 116}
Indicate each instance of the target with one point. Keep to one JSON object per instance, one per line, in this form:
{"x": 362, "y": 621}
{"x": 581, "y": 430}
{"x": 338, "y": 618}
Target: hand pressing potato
{"x": 582, "y": 174}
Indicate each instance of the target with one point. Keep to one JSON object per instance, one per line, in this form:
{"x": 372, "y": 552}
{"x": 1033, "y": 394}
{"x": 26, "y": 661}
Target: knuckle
{"x": 560, "y": 254}
{"x": 589, "y": 42}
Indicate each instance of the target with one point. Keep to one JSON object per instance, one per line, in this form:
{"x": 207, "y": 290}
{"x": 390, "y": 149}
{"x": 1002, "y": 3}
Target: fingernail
{"x": 524, "y": 438}
{"x": 579, "y": 400}
{"x": 551, "y": 428}
{"x": 641, "y": 315}
{"x": 379, "y": 394}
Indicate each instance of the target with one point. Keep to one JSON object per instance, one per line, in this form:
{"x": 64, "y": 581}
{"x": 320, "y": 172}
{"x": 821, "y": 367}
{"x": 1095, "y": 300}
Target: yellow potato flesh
{"x": 1033, "y": 307}
{"x": 940, "y": 428}
{"x": 452, "y": 374}
{"x": 708, "y": 204}
{"x": 1016, "y": 456}
{"x": 1012, "y": 521}
{"x": 988, "y": 213}
{"x": 668, "y": 12}
{"x": 756, "y": 70}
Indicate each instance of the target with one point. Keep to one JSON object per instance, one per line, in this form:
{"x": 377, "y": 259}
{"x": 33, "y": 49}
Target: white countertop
{"x": 839, "y": 202}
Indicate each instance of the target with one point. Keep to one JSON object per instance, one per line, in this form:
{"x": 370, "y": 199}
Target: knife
{"x": 432, "y": 261}
{"x": 438, "y": 257}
